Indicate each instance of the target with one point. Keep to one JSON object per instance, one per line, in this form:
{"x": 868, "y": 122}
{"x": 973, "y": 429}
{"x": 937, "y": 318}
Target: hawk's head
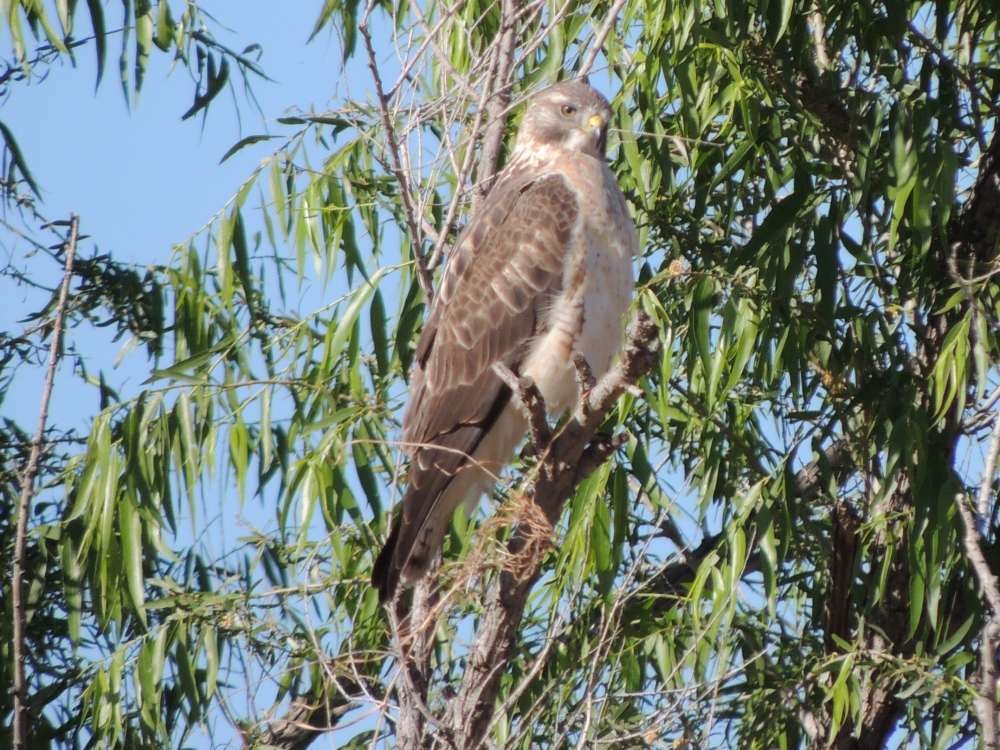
{"x": 568, "y": 115}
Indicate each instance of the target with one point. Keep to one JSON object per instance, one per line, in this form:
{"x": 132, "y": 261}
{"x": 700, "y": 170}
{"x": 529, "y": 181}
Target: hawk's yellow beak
{"x": 596, "y": 122}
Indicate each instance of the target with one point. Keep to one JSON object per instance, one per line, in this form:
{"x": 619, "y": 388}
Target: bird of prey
{"x": 542, "y": 270}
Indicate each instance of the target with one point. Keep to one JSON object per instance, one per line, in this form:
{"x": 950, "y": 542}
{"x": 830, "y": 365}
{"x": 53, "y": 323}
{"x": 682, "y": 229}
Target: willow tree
{"x": 781, "y": 529}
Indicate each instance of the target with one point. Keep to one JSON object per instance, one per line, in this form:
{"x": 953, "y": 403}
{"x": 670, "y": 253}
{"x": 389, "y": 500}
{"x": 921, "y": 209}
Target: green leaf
{"x": 217, "y": 79}
{"x": 702, "y": 303}
{"x": 774, "y": 225}
{"x": 380, "y": 341}
{"x": 786, "y": 14}
{"x": 346, "y": 323}
{"x": 18, "y": 158}
{"x": 210, "y": 644}
{"x": 100, "y": 40}
{"x": 130, "y": 529}
{"x": 143, "y": 40}
{"x": 243, "y": 143}
{"x": 164, "y": 26}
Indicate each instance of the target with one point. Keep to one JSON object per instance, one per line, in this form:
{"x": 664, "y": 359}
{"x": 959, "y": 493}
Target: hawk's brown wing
{"x": 507, "y": 267}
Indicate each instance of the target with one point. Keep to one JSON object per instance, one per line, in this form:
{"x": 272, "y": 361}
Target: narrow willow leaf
{"x": 243, "y": 143}
{"x": 143, "y": 40}
{"x": 164, "y": 26}
{"x": 100, "y": 39}
{"x": 786, "y": 14}
{"x": 210, "y": 644}
{"x": 776, "y": 222}
{"x": 346, "y": 323}
{"x": 18, "y": 158}
{"x": 702, "y": 301}
{"x": 130, "y": 529}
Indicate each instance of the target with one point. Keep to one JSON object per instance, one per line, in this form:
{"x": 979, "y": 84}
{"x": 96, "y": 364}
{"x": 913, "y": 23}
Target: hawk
{"x": 542, "y": 270}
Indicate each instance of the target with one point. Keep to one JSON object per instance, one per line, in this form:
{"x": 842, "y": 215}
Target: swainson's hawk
{"x": 543, "y": 269}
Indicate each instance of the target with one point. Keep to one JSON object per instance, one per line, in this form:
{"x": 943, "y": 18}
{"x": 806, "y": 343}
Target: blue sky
{"x": 143, "y": 180}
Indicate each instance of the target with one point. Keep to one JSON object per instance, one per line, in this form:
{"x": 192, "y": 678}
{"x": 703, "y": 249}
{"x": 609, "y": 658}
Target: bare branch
{"x": 562, "y": 467}
{"x": 989, "y": 471}
{"x": 20, "y": 723}
{"x": 597, "y": 43}
{"x": 412, "y": 219}
{"x": 499, "y": 88}
{"x": 306, "y": 719}
{"x": 585, "y": 380}
{"x": 986, "y": 704}
{"x": 817, "y": 24}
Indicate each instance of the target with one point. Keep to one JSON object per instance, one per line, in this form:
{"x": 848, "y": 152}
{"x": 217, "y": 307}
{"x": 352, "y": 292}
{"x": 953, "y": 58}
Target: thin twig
{"x": 28, "y": 490}
{"x": 423, "y": 275}
{"x": 929, "y": 45}
{"x": 597, "y": 44}
{"x": 449, "y": 219}
{"x": 497, "y": 107}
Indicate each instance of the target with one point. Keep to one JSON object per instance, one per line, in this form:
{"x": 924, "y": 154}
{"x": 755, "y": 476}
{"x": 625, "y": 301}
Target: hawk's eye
{"x": 568, "y": 110}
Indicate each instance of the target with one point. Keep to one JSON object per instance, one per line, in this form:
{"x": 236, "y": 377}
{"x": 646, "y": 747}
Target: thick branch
{"x": 566, "y": 461}
{"x": 986, "y": 705}
{"x": 20, "y": 724}
{"x": 413, "y": 626}
{"x": 307, "y": 718}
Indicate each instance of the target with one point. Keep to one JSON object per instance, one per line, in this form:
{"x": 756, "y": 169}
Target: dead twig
{"x": 497, "y": 106}
{"x": 392, "y": 143}
{"x": 597, "y": 43}
{"x": 19, "y": 729}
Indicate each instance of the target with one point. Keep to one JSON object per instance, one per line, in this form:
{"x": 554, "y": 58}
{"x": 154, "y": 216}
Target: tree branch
{"x": 497, "y": 106}
{"x": 412, "y": 222}
{"x": 20, "y": 725}
{"x": 562, "y": 465}
{"x": 986, "y": 704}
{"x": 307, "y": 718}
{"x": 808, "y": 482}
{"x": 597, "y": 42}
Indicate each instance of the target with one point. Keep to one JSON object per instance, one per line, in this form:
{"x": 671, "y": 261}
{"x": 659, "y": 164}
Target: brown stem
{"x": 986, "y": 704}
{"x": 27, "y": 493}
{"x": 498, "y": 104}
{"x": 561, "y": 468}
{"x": 599, "y": 38}
{"x": 412, "y": 224}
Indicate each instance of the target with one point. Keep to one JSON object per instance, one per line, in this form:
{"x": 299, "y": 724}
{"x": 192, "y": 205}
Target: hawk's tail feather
{"x": 385, "y": 577}
{"x": 417, "y": 531}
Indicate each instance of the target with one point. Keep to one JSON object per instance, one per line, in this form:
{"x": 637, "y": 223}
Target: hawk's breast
{"x": 588, "y": 315}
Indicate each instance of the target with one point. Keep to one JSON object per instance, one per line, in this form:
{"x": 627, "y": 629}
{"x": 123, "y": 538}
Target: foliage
{"x": 773, "y": 559}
